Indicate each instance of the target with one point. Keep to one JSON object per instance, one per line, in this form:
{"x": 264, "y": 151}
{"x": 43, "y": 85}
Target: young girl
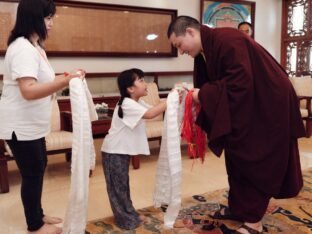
{"x": 126, "y": 137}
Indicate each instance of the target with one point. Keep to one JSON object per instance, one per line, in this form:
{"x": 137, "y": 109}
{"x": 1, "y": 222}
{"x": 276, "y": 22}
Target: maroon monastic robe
{"x": 251, "y": 111}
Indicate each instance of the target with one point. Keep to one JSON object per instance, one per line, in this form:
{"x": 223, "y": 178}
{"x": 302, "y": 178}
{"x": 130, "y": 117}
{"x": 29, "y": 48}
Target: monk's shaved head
{"x": 180, "y": 24}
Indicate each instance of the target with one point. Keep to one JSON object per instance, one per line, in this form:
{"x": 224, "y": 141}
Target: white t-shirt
{"x": 29, "y": 120}
{"x": 128, "y": 135}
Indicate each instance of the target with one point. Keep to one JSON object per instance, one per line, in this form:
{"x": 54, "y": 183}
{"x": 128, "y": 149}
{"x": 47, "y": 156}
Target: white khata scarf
{"x": 169, "y": 166}
{"x": 83, "y": 156}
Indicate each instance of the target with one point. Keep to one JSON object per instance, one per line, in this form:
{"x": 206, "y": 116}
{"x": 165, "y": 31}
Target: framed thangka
{"x": 227, "y": 13}
{"x": 96, "y": 29}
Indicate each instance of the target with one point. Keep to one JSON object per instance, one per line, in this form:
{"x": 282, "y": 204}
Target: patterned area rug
{"x": 283, "y": 216}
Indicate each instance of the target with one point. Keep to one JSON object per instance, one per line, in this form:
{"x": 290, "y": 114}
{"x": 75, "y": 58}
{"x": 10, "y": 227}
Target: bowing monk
{"x": 250, "y": 111}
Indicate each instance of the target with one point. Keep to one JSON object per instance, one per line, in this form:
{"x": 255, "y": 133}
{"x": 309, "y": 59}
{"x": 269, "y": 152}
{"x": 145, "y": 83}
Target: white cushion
{"x": 302, "y": 85}
{"x": 59, "y": 140}
{"x": 304, "y": 112}
{"x": 152, "y": 98}
{"x": 154, "y": 128}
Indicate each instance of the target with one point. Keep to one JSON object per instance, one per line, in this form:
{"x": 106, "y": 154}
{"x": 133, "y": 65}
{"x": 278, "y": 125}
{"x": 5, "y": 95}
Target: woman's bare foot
{"x": 51, "y": 220}
{"x": 47, "y": 229}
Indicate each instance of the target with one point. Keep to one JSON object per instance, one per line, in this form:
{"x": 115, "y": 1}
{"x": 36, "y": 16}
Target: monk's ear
{"x": 190, "y": 31}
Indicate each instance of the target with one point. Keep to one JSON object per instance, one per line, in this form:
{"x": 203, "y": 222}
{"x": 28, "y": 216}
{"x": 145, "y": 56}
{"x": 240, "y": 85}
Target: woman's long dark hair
{"x": 125, "y": 80}
{"x": 30, "y": 19}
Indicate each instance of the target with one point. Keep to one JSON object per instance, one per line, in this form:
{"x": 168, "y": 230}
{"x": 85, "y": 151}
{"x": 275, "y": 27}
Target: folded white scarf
{"x": 169, "y": 166}
{"x": 83, "y": 156}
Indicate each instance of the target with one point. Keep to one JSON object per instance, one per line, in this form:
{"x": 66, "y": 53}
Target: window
{"x": 297, "y": 37}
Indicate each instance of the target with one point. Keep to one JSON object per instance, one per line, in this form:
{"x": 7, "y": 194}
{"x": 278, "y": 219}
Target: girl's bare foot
{"x": 47, "y": 229}
{"x": 51, "y": 220}
{"x": 142, "y": 218}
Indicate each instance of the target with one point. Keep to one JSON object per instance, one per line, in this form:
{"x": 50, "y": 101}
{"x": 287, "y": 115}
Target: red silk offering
{"x": 192, "y": 133}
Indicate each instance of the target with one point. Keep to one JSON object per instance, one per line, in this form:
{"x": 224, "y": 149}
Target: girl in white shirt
{"x": 25, "y": 106}
{"x": 126, "y": 138}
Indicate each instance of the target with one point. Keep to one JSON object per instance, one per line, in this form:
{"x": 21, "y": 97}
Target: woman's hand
{"x": 77, "y": 73}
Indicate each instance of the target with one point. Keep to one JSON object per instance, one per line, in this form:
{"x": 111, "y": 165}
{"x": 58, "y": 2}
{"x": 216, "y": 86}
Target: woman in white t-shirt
{"x": 126, "y": 138}
{"x": 29, "y": 83}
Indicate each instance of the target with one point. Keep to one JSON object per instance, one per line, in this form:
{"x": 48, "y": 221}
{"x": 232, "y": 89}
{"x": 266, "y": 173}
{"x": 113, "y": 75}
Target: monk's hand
{"x": 195, "y": 95}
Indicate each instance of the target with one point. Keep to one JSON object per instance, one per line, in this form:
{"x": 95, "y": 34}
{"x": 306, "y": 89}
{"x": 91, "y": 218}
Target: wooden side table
{"x": 100, "y": 127}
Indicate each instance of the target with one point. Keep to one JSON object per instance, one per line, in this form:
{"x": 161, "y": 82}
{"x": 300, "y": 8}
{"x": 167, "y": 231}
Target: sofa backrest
{"x": 152, "y": 99}
{"x": 55, "y": 124}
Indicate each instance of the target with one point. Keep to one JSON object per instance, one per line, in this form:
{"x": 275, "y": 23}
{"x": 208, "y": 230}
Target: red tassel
{"x": 193, "y": 134}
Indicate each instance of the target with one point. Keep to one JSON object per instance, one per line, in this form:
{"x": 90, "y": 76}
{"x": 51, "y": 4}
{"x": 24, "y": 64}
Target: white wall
{"x": 268, "y": 22}
{"x": 267, "y": 33}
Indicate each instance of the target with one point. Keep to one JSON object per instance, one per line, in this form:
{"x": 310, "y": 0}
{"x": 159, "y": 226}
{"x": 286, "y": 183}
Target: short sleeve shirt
{"x": 127, "y": 135}
{"x": 29, "y": 119}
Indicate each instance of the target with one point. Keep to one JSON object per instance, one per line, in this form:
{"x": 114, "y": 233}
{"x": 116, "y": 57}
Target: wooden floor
{"x": 197, "y": 178}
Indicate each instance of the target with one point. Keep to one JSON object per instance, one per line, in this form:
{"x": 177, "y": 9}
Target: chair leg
{"x": 136, "y": 162}
{"x": 4, "y": 180}
{"x": 68, "y": 156}
{"x": 308, "y": 128}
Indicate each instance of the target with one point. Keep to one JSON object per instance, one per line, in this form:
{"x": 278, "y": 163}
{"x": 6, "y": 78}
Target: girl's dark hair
{"x": 125, "y": 80}
{"x": 30, "y": 19}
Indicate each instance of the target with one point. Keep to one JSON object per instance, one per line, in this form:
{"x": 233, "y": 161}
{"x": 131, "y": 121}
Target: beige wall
{"x": 268, "y": 25}
{"x": 267, "y": 31}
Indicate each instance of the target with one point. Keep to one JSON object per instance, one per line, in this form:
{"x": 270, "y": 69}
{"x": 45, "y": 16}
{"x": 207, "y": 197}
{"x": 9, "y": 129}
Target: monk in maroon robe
{"x": 250, "y": 111}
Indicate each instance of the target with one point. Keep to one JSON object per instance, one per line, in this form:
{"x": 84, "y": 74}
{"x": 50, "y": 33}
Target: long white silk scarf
{"x": 169, "y": 165}
{"x": 83, "y": 156}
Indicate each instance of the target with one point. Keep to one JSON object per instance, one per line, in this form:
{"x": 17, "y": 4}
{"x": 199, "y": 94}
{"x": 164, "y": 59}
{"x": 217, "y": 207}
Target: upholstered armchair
{"x": 153, "y": 126}
{"x": 57, "y": 141}
{"x": 303, "y": 87}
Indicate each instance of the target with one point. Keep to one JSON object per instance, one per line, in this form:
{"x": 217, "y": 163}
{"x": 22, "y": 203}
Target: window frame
{"x": 286, "y": 39}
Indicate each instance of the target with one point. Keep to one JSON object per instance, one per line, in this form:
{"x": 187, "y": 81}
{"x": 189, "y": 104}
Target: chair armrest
{"x": 308, "y": 104}
{"x": 5, "y": 151}
{"x": 305, "y": 97}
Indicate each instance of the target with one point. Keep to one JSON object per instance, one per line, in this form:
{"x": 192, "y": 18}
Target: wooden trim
{"x": 298, "y": 38}
{"x": 171, "y": 52}
{"x": 163, "y": 73}
{"x": 115, "y": 74}
{"x": 285, "y": 38}
{"x": 283, "y": 33}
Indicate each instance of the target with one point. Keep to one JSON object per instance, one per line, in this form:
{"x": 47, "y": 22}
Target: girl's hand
{"x": 195, "y": 95}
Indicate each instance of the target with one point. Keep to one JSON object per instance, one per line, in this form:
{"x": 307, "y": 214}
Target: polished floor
{"x": 197, "y": 178}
